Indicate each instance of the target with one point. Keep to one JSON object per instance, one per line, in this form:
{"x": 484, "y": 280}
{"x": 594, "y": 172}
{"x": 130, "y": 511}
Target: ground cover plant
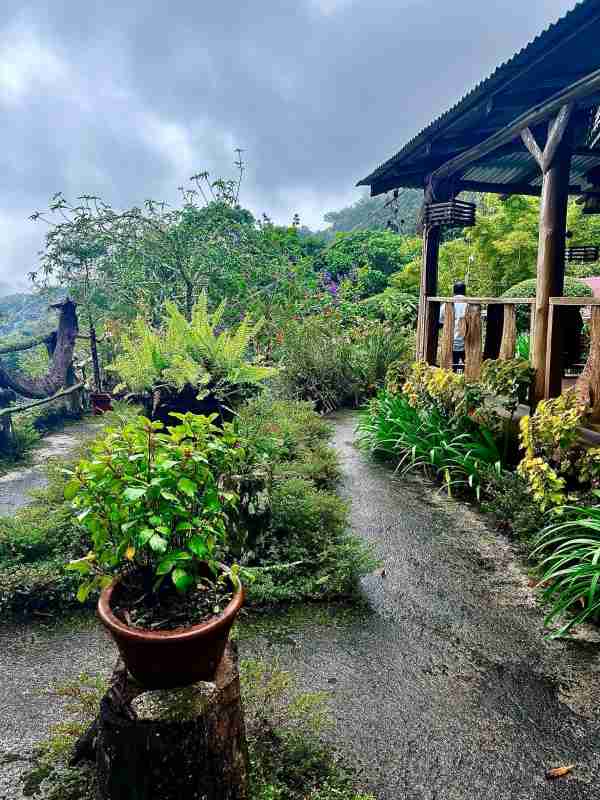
{"x": 289, "y": 756}
{"x": 295, "y": 543}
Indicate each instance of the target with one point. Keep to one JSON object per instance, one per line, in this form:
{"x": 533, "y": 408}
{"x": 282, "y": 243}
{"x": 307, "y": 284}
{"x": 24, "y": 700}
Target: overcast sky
{"x": 128, "y": 99}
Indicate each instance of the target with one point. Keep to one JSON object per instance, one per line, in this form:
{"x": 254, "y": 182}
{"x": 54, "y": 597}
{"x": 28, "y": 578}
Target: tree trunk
{"x": 95, "y": 359}
{"x": 171, "y": 744}
{"x": 62, "y": 358}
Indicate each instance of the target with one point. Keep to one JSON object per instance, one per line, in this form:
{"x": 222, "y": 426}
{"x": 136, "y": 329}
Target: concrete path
{"x": 16, "y": 484}
{"x": 442, "y": 686}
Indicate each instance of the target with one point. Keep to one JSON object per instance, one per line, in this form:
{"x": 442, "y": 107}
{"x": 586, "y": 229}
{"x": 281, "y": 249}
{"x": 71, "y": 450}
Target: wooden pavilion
{"x": 531, "y": 128}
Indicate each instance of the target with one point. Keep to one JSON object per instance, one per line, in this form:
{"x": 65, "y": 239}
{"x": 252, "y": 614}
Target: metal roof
{"x": 563, "y": 54}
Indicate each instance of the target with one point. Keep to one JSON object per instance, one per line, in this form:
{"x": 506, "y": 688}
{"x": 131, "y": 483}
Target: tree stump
{"x": 169, "y": 744}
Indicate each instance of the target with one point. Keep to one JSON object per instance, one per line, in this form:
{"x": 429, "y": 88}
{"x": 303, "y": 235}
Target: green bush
{"x": 316, "y": 363}
{"x": 453, "y": 449}
{"x": 195, "y": 353}
{"x": 296, "y": 517}
{"x": 332, "y": 365}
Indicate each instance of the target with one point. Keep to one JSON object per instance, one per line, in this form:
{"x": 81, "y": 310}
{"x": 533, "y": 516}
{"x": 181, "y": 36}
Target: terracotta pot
{"x": 101, "y": 402}
{"x": 164, "y": 659}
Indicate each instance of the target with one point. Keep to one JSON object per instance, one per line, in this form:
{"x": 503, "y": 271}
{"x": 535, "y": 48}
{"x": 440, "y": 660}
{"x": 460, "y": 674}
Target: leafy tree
{"x": 378, "y": 250}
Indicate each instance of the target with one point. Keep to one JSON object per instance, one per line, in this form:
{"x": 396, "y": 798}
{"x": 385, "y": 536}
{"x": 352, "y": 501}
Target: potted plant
{"x": 191, "y": 365}
{"x": 158, "y": 504}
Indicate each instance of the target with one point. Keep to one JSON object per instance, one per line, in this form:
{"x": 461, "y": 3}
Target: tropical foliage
{"x": 194, "y": 353}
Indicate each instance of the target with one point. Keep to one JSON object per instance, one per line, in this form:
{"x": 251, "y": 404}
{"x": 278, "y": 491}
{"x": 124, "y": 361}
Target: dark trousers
{"x": 458, "y": 360}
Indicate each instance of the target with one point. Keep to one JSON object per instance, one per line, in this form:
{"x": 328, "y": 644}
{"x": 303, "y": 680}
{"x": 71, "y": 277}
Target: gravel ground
{"x": 442, "y": 686}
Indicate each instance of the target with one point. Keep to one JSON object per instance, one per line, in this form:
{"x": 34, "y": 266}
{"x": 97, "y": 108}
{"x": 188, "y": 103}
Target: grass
{"x": 457, "y": 451}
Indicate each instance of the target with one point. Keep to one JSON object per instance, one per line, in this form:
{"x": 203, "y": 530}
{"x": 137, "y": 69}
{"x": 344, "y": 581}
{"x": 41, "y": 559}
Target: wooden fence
{"x": 501, "y": 337}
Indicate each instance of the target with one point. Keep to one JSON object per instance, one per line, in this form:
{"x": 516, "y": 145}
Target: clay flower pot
{"x": 101, "y": 402}
{"x": 165, "y": 659}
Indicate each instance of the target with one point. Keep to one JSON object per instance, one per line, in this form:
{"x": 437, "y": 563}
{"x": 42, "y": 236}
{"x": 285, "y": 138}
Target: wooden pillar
{"x": 428, "y": 322}
{"x": 509, "y": 333}
{"x": 555, "y": 163}
{"x": 473, "y": 343}
{"x": 447, "y": 346}
{"x": 427, "y": 325}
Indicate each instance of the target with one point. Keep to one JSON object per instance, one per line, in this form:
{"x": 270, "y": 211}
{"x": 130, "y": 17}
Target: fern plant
{"x": 193, "y": 353}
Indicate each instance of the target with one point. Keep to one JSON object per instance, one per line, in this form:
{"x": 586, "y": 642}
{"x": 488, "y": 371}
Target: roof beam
{"x": 506, "y": 188}
{"x": 540, "y": 113}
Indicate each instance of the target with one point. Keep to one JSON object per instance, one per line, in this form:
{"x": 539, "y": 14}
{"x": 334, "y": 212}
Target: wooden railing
{"x": 588, "y": 383}
{"x": 501, "y": 336}
{"x": 500, "y": 329}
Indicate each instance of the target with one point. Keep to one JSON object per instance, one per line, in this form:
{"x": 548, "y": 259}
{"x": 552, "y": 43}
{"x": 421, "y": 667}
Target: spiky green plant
{"x": 191, "y": 352}
{"x": 455, "y": 450}
{"x": 571, "y": 567}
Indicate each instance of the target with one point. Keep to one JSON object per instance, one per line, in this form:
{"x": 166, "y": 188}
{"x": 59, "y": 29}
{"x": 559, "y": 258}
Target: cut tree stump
{"x": 169, "y": 744}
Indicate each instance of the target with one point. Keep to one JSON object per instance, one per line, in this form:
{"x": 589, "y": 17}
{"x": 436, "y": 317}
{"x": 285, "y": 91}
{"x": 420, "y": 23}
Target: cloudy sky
{"x": 128, "y": 99}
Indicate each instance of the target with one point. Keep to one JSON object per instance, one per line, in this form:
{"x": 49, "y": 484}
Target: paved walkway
{"x": 442, "y": 686}
{"x": 16, "y": 484}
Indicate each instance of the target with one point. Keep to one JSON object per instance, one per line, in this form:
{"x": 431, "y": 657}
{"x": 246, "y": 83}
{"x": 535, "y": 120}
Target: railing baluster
{"x": 447, "y": 343}
{"x": 509, "y": 333}
{"x": 473, "y": 345}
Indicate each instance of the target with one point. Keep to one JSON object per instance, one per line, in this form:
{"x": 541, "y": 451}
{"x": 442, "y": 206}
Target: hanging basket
{"x": 583, "y": 254}
{"x": 453, "y": 214}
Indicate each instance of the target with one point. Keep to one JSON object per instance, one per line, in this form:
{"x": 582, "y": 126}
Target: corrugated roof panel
{"x": 582, "y": 14}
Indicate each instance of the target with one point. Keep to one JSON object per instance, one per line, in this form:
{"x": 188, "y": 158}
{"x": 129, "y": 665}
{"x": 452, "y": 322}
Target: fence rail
{"x": 501, "y": 336}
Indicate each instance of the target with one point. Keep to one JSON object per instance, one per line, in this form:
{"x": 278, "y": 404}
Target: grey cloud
{"x": 128, "y": 99}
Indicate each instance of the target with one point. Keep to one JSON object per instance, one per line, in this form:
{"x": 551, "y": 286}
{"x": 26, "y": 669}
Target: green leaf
{"x": 144, "y": 536}
{"x": 134, "y": 492}
{"x": 84, "y": 591}
{"x": 158, "y": 544}
{"x": 71, "y": 489}
{"x": 198, "y": 546}
{"x": 182, "y": 579}
{"x": 187, "y": 486}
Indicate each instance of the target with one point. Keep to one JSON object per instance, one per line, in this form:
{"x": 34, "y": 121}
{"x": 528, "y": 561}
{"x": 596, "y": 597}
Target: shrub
{"x": 316, "y": 363}
{"x": 555, "y": 462}
{"x": 333, "y": 366}
{"x": 156, "y": 500}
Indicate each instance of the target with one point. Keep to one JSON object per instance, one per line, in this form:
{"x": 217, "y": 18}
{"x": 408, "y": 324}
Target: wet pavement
{"x": 16, "y": 484}
{"x": 442, "y": 686}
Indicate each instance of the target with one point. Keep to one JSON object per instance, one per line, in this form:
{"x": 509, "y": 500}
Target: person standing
{"x": 460, "y": 309}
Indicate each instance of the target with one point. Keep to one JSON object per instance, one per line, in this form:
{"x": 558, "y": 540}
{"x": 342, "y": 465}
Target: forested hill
{"x": 371, "y": 212}
{"x": 23, "y": 315}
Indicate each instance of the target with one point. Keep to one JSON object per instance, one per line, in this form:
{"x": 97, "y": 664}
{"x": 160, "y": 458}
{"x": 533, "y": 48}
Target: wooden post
{"x": 171, "y": 743}
{"x": 493, "y": 330}
{"x": 428, "y": 321}
{"x": 509, "y": 333}
{"x": 473, "y": 344}
{"x": 427, "y": 326}
{"x": 447, "y": 347}
{"x": 588, "y": 385}
{"x": 555, "y": 163}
